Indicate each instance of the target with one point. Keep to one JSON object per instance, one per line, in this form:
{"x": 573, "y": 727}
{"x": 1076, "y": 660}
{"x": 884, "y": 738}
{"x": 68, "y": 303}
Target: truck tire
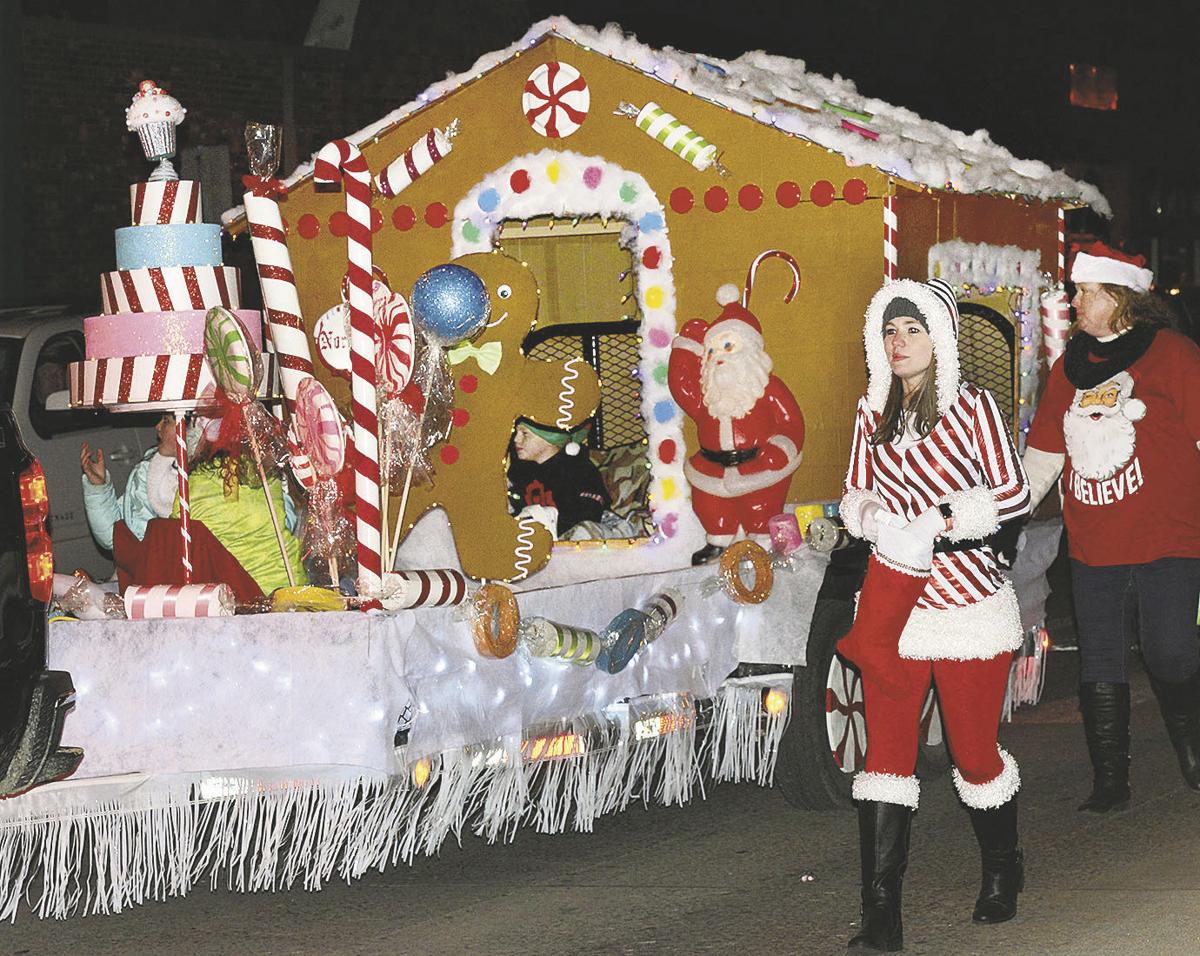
{"x": 825, "y": 742}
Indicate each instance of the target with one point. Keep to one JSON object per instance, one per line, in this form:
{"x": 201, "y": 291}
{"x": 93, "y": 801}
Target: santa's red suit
{"x": 740, "y": 475}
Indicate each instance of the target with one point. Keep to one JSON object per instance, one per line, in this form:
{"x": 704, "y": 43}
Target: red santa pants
{"x": 721, "y": 517}
{"x": 970, "y": 698}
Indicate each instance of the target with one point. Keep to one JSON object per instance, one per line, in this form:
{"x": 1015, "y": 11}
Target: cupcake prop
{"x": 153, "y": 115}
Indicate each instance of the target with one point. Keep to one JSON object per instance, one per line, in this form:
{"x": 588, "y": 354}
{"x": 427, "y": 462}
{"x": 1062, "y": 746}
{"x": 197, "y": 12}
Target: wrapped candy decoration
{"x": 680, "y": 139}
{"x": 542, "y": 637}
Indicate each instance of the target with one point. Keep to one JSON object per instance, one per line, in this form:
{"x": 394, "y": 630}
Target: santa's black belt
{"x": 946, "y": 547}
{"x": 729, "y": 458}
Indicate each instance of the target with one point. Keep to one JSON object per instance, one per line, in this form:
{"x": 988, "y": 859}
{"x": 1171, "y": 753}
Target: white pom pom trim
{"x": 1134, "y": 409}
{"x": 728, "y": 293}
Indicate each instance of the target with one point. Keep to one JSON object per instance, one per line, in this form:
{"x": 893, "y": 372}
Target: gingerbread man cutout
{"x": 470, "y": 478}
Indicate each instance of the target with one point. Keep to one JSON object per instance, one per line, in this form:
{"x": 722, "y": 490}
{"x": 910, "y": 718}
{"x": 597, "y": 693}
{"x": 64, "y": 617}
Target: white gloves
{"x": 909, "y": 543}
{"x": 868, "y": 520}
{"x": 928, "y": 525}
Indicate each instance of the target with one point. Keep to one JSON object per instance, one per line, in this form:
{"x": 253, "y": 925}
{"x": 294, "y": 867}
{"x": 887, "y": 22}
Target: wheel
{"x": 825, "y": 743}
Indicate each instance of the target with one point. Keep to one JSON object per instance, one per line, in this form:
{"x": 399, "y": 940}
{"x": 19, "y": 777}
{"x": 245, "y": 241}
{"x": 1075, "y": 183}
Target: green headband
{"x": 556, "y": 436}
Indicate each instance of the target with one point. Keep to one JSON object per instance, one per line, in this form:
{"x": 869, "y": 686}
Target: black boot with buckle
{"x": 1106, "y": 723}
{"x": 883, "y": 830}
{"x": 1180, "y": 706}
{"x": 1003, "y": 862}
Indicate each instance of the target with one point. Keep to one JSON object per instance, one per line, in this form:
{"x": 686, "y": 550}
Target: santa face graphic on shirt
{"x": 1098, "y": 427}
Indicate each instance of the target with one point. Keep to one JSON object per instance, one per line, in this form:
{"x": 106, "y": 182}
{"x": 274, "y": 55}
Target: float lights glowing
{"x": 420, "y": 772}
{"x": 775, "y": 701}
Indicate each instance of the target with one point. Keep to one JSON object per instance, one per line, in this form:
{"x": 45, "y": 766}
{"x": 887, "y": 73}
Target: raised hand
{"x": 93, "y": 468}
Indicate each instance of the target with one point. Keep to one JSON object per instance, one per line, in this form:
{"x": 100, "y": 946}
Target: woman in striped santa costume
{"x": 933, "y": 473}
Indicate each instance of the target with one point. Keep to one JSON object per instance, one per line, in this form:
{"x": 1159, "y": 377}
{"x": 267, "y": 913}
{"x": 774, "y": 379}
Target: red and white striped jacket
{"x": 967, "y": 460}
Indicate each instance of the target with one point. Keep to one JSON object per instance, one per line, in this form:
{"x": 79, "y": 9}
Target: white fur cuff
{"x": 851, "y": 508}
{"x": 887, "y": 788}
{"x": 975, "y": 513}
{"x": 994, "y": 793}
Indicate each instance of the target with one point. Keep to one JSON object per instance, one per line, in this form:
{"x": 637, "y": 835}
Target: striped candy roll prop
{"x": 891, "y": 228}
{"x": 416, "y": 161}
{"x": 341, "y": 161}
{"x": 1062, "y": 245}
{"x": 170, "y": 289}
{"x": 441, "y": 587}
{"x": 1056, "y": 323}
{"x": 144, "y": 602}
{"x": 162, "y": 381}
{"x": 165, "y": 202}
{"x": 660, "y": 612}
{"x": 679, "y": 138}
{"x": 185, "y": 502}
{"x": 545, "y": 638}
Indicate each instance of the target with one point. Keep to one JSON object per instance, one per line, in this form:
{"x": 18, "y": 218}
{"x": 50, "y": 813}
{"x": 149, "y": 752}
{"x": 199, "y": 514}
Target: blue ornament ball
{"x": 450, "y": 303}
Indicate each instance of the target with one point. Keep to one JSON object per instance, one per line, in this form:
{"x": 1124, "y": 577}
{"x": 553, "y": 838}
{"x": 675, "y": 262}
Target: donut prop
{"x": 731, "y": 572}
{"x": 621, "y": 640}
{"x": 496, "y": 619}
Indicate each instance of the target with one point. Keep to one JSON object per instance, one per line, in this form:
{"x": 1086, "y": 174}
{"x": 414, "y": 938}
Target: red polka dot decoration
{"x": 788, "y": 194}
{"x": 750, "y": 197}
{"x": 651, "y": 257}
{"x": 449, "y": 455}
{"x": 436, "y": 215}
{"x": 822, "y": 192}
{"x": 666, "y": 451}
{"x": 682, "y": 199}
{"x": 339, "y": 224}
{"x": 854, "y": 191}
{"x": 468, "y": 383}
{"x": 403, "y": 218}
{"x": 716, "y": 199}
{"x": 519, "y": 181}
{"x": 309, "y": 226}
{"x": 459, "y": 417}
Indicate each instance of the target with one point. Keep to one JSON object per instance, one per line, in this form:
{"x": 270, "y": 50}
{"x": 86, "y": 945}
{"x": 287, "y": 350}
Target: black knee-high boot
{"x": 883, "y": 830}
{"x": 1106, "y": 723}
{"x": 1003, "y": 862}
{"x": 1180, "y": 706}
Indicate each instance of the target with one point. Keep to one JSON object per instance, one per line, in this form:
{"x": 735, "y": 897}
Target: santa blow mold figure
{"x": 750, "y": 428}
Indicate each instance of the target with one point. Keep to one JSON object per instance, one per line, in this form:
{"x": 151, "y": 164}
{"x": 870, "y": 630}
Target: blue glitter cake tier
{"x": 145, "y": 247}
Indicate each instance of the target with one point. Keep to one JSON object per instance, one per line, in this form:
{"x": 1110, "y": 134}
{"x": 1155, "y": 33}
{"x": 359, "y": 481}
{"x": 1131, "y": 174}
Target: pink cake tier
{"x": 170, "y": 289}
{"x": 167, "y": 202}
{"x": 156, "y": 333}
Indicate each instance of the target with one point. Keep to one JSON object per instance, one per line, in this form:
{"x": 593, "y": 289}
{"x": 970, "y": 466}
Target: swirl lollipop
{"x": 236, "y": 366}
{"x": 320, "y": 433}
{"x": 395, "y": 344}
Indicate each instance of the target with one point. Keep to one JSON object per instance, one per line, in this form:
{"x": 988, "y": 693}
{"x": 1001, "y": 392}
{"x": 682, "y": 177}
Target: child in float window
{"x": 549, "y": 467}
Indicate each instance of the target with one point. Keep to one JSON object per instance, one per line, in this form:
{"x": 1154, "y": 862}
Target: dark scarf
{"x": 1088, "y": 361}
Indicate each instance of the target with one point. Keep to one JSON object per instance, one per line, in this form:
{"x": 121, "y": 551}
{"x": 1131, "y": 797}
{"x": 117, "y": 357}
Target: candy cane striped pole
{"x": 185, "y": 506}
{"x": 1062, "y": 244}
{"x": 280, "y": 299}
{"x": 341, "y": 161}
{"x": 891, "y": 262}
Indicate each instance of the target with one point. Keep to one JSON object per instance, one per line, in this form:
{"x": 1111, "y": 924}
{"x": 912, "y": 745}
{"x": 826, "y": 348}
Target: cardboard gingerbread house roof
{"x": 779, "y": 92}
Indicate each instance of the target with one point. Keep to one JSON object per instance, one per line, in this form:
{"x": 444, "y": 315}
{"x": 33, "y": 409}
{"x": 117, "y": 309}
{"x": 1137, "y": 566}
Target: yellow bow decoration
{"x": 1106, "y": 397}
{"x": 486, "y": 356}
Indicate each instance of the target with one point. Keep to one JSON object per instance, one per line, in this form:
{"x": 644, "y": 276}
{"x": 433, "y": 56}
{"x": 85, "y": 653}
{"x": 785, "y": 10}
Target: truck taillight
{"x": 39, "y": 551}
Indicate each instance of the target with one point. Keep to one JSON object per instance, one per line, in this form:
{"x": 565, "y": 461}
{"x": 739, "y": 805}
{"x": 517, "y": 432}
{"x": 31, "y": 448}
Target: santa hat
{"x": 735, "y": 316}
{"x": 569, "y": 440}
{"x": 1101, "y": 263}
{"x": 938, "y": 311}
{"x": 736, "y": 313}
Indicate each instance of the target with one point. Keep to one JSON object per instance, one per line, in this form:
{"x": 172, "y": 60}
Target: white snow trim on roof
{"x": 996, "y": 792}
{"x": 761, "y": 85}
{"x": 983, "y": 265}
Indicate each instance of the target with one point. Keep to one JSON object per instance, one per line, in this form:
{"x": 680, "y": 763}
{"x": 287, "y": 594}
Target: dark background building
{"x": 324, "y": 68}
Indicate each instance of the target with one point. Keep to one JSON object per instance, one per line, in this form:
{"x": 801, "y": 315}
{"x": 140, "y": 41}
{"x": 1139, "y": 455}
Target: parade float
{"x": 565, "y": 235}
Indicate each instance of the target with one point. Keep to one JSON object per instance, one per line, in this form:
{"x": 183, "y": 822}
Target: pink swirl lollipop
{"x": 395, "y": 343}
{"x": 319, "y": 428}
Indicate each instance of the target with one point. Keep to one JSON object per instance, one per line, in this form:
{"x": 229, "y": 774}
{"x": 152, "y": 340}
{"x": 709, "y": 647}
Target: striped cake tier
{"x": 156, "y": 333}
{"x": 169, "y": 201}
{"x": 191, "y": 244}
{"x": 170, "y": 289}
{"x": 153, "y": 382}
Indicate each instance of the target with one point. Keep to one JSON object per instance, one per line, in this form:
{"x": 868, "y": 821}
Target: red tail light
{"x": 39, "y": 552}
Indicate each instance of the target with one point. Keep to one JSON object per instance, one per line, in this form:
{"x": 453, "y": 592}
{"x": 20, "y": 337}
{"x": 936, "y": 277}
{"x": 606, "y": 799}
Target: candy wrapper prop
{"x": 496, "y": 617}
{"x": 269, "y": 242}
{"x": 82, "y": 597}
{"x": 175, "y": 600}
{"x": 236, "y": 366}
{"x": 319, "y": 432}
{"x": 785, "y": 533}
{"x": 681, "y": 140}
{"x": 731, "y": 572}
{"x": 750, "y": 428}
{"x": 633, "y": 629}
{"x": 341, "y": 162}
{"x": 545, "y": 638}
{"x": 1056, "y": 323}
{"x": 416, "y": 161}
{"x": 153, "y": 115}
{"x": 441, "y": 587}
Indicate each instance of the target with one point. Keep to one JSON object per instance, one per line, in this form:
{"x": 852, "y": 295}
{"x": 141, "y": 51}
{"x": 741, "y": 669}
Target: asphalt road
{"x": 739, "y": 872}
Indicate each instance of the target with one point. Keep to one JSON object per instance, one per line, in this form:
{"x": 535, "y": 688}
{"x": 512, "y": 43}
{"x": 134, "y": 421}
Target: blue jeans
{"x": 1163, "y": 595}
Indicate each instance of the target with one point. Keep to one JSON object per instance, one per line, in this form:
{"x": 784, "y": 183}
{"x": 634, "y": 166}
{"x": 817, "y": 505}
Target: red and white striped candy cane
{"x": 341, "y": 161}
{"x": 280, "y": 299}
{"x": 185, "y": 506}
{"x": 891, "y": 227}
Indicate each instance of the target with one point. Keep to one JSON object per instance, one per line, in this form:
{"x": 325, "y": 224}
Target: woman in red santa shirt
{"x": 932, "y": 474}
{"x": 1120, "y": 421}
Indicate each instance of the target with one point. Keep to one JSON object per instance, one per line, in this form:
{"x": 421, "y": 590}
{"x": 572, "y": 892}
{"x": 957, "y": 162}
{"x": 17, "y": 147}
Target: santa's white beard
{"x": 1098, "y": 448}
{"x": 731, "y": 388}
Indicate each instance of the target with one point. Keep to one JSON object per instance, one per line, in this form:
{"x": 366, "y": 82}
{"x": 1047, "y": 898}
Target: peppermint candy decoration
{"x": 395, "y": 343}
{"x": 234, "y": 360}
{"x": 556, "y": 99}
{"x": 319, "y": 428}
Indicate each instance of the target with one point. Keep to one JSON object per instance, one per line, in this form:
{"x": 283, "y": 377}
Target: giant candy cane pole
{"x": 342, "y": 161}
{"x": 280, "y": 300}
{"x": 185, "y": 506}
